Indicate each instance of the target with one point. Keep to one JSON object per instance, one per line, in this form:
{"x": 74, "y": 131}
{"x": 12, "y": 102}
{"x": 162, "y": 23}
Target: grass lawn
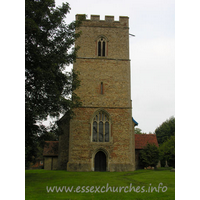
{"x": 137, "y": 185}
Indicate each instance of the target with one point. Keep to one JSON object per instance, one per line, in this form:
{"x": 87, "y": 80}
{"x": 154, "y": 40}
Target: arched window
{"x": 101, "y": 46}
{"x": 101, "y": 127}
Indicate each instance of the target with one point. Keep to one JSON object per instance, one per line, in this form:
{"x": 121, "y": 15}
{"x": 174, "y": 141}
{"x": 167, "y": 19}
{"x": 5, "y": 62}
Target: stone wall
{"x": 63, "y": 148}
{"x": 112, "y": 72}
{"x": 120, "y": 149}
{"x": 116, "y": 33}
{"x": 50, "y": 163}
{"x": 115, "y": 76}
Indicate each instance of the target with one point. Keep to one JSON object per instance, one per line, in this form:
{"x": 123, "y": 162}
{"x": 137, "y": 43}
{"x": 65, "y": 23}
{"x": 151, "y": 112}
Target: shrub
{"x": 149, "y": 156}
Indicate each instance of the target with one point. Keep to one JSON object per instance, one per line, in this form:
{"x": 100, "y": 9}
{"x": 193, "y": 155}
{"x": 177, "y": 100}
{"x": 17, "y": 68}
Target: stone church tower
{"x": 101, "y": 135}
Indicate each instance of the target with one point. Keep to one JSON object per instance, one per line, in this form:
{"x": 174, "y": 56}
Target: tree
{"x": 165, "y": 130}
{"x": 149, "y": 156}
{"x": 48, "y": 49}
{"x": 167, "y": 150}
{"x": 138, "y": 131}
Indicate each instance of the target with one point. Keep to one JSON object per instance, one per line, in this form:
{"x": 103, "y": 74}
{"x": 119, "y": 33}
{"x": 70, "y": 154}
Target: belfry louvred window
{"x": 101, "y": 47}
{"x": 101, "y": 127}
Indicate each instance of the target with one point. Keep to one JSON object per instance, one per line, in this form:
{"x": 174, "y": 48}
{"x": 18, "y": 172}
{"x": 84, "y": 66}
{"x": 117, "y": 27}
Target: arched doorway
{"x": 100, "y": 161}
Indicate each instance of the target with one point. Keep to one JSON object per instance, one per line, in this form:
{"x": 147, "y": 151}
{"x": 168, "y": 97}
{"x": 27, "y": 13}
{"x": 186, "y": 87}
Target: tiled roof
{"x": 50, "y": 148}
{"x": 141, "y": 140}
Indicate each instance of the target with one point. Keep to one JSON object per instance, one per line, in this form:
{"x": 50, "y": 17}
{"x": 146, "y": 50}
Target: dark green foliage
{"x": 149, "y": 156}
{"x": 49, "y": 47}
{"x": 165, "y": 130}
{"x": 167, "y": 150}
{"x": 138, "y": 131}
{"x": 166, "y": 138}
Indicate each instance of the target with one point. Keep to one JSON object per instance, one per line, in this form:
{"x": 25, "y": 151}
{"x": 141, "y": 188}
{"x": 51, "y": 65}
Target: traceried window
{"x": 101, "y": 46}
{"x": 101, "y": 127}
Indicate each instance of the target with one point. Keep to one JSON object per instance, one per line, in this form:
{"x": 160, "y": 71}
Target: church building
{"x": 100, "y": 137}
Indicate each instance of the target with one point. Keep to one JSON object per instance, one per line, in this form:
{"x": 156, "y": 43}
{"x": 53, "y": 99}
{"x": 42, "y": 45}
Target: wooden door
{"x": 100, "y": 161}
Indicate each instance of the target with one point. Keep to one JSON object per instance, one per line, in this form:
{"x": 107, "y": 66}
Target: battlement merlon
{"x": 109, "y": 20}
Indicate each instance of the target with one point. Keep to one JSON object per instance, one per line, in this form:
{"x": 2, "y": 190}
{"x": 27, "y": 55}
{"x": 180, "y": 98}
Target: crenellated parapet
{"x": 108, "y": 22}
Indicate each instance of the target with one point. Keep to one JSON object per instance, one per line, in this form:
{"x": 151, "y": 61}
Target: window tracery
{"x": 101, "y": 127}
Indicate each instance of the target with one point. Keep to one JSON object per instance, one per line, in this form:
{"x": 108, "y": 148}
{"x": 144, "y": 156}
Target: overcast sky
{"x": 152, "y": 53}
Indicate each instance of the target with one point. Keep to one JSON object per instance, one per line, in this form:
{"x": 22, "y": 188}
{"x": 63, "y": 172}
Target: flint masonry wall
{"x": 113, "y": 72}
